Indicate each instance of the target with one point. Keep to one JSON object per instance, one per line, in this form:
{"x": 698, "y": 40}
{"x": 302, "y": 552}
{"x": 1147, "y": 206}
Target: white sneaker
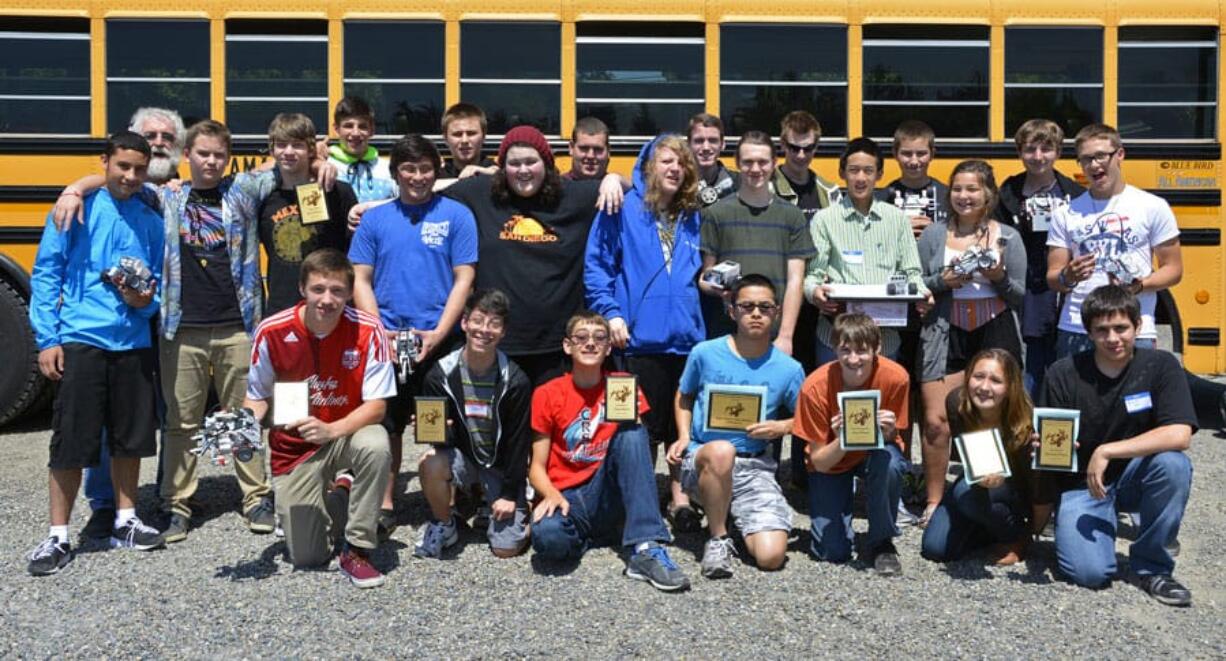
{"x": 436, "y": 537}
{"x": 717, "y": 558}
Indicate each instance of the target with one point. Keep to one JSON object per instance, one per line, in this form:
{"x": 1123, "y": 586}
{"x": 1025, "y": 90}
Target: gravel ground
{"x": 225, "y": 592}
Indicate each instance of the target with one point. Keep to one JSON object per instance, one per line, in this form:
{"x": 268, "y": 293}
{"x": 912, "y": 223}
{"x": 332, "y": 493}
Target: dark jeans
{"x": 971, "y": 517}
{"x": 830, "y": 501}
{"x": 623, "y": 489}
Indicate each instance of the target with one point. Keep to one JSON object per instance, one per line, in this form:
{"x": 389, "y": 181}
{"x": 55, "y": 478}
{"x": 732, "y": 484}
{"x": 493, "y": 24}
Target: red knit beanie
{"x": 527, "y": 135}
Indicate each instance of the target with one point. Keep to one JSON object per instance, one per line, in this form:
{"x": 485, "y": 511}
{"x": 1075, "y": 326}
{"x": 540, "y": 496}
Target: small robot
{"x": 132, "y": 273}
{"x": 723, "y": 275}
{"x": 229, "y": 433}
{"x": 408, "y": 348}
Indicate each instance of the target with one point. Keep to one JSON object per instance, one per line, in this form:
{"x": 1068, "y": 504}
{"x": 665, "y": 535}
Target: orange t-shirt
{"x": 818, "y": 402}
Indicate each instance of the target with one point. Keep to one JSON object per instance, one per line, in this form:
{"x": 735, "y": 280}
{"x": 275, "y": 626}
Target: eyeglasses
{"x": 489, "y": 324}
{"x": 153, "y": 135}
{"x": 1100, "y": 158}
{"x": 583, "y": 338}
{"x": 765, "y": 308}
{"x": 800, "y": 149}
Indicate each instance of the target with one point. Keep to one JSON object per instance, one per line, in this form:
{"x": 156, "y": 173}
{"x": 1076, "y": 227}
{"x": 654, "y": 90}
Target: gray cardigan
{"x": 934, "y": 335}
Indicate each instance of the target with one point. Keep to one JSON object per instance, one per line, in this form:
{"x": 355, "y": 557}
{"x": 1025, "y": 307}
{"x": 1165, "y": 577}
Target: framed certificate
{"x": 860, "y": 430}
{"x": 983, "y": 454}
{"x": 734, "y": 408}
{"x": 1057, "y": 430}
{"x": 312, "y": 207}
{"x": 430, "y": 426}
{"x": 621, "y": 398}
{"x": 291, "y": 402}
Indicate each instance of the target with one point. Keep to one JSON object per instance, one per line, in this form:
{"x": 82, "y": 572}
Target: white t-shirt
{"x": 1124, "y": 228}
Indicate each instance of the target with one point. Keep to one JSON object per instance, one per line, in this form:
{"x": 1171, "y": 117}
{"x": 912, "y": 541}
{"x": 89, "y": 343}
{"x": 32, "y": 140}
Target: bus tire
{"x": 22, "y": 387}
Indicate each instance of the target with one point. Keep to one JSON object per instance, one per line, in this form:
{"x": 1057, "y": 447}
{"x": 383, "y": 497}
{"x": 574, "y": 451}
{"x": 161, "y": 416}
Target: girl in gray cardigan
{"x": 976, "y": 304}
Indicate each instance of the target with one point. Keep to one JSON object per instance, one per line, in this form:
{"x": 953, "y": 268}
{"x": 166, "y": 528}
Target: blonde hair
{"x": 686, "y": 198}
{"x": 292, "y": 127}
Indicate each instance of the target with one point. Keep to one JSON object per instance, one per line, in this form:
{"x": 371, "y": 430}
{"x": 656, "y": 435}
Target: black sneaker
{"x": 261, "y": 518}
{"x": 99, "y": 524}
{"x": 176, "y": 530}
{"x": 1166, "y": 590}
{"x": 50, "y": 557}
{"x": 885, "y": 560}
{"x": 136, "y": 535}
{"x": 387, "y": 524}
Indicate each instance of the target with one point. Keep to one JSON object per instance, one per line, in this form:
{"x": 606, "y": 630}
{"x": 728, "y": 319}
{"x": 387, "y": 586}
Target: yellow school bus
{"x": 70, "y": 72}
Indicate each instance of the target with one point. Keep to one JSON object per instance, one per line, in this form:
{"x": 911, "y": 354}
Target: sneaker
{"x": 261, "y": 518}
{"x": 136, "y": 535}
{"x": 176, "y": 530}
{"x": 49, "y": 557}
{"x": 885, "y": 560}
{"x": 905, "y": 517}
{"x": 387, "y": 524}
{"x": 99, "y": 524}
{"x": 279, "y": 532}
{"x": 1048, "y": 533}
{"x": 355, "y": 564}
{"x": 436, "y": 537}
{"x": 1166, "y": 590}
{"x": 654, "y": 566}
{"x": 684, "y": 518}
{"x": 717, "y": 558}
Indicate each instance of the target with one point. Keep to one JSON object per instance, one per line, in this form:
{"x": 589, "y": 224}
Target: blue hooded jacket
{"x": 625, "y": 275}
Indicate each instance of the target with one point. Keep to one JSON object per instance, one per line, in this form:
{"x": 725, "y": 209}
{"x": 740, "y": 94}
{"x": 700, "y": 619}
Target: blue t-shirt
{"x": 413, "y": 249}
{"x": 713, "y": 363}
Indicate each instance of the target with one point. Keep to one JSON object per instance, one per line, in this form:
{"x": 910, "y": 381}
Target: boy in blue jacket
{"x": 93, "y": 338}
{"x": 640, "y": 273}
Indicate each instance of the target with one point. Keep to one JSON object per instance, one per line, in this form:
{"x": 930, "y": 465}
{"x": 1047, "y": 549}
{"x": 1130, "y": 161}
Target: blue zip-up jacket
{"x": 69, "y": 302}
{"x": 625, "y": 275}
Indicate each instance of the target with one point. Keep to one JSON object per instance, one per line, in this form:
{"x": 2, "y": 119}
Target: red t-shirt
{"x": 349, "y": 366}
{"x": 574, "y": 420}
{"x": 818, "y": 402}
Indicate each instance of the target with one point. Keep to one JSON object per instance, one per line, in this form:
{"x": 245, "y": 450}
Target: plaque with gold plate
{"x": 732, "y": 408}
{"x": 1057, "y": 430}
{"x": 430, "y": 426}
{"x": 860, "y": 430}
{"x": 621, "y": 398}
{"x": 312, "y": 207}
{"x": 983, "y": 454}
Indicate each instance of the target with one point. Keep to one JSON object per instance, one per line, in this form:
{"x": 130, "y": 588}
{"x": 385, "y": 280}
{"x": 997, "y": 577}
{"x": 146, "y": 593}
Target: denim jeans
{"x": 1068, "y": 344}
{"x": 1040, "y": 354}
{"x": 970, "y": 517}
{"x": 1156, "y": 488}
{"x": 623, "y": 489}
{"x": 830, "y": 501}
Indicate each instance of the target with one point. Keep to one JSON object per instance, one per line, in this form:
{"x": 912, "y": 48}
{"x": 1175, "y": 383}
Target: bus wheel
{"x": 22, "y": 386}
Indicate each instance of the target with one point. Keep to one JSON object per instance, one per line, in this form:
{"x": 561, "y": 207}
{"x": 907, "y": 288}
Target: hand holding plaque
{"x": 734, "y": 408}
{"x": 621, "y": 398}
{"x": 312, "y": 207}
{"x": 1057, "y": 430}
{"x": 430, "y": 425}
{"x": 860, "y": 430}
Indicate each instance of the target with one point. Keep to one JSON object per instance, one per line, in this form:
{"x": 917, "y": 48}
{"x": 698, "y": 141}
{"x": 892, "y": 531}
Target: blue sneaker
{"x": 653, "y": 565}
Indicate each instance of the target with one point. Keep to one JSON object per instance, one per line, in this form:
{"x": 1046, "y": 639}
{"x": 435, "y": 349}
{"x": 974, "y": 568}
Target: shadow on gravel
{"x": 215, "y": 496}
{"x": 258, "y": 569}
{"x": 387, "y": 556}
{"x": 550, "y": 568}
{"x": 1036, "y": 572}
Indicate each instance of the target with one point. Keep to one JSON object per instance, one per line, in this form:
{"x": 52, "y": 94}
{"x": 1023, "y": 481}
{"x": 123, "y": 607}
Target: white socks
{"x": 60, "y": 533}
{"x": 123, "y": 516}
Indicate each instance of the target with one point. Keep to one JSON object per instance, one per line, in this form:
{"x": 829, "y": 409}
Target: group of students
{"x": 526, "y": 287}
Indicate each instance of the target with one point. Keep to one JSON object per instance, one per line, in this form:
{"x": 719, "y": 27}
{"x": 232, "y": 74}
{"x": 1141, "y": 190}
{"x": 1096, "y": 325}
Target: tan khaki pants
{"x": 300, "y": 495}
{"x": 196, "y": 357}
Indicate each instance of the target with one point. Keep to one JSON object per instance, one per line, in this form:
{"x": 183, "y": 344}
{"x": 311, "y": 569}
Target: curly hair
{"x": 686, "y": 198}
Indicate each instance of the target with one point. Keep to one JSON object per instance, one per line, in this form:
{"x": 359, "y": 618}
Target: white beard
{"x": 162, "y": 167}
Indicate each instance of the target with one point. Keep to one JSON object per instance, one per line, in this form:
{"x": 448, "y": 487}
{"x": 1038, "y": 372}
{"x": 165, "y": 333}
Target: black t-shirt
{"x": 931, "y": 198}
{"x": 807, "y": 199}
{"x": 1151, "y": 392}
{"x": 288, "y": 241}
{"x": 450, "y": 171}
{"x": 535, "y": 255}
{"x": 208, "y": 296}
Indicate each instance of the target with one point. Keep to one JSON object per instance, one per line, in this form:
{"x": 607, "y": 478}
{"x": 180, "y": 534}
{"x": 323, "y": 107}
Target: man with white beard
{"x": 164, "y": 131}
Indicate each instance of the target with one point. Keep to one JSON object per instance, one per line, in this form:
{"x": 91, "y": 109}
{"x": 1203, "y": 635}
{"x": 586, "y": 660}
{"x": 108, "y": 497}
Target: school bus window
{"x": 640, "y": 78}
{"x": 767, "y": 70}
{"x": 44, "y": 75}
{"x": 272, "y": 67}
{"x": 156, "y": 63}
{"x": 1168, "y": 82}
{"x": 1053, "y": 72}
{"x": 513, "y": 71}
{"x": 406, "y": 92}
{"x": 938, "y": 74}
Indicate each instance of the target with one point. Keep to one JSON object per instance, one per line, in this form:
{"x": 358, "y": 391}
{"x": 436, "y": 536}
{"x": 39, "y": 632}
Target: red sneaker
{"x": 357, "y": 567}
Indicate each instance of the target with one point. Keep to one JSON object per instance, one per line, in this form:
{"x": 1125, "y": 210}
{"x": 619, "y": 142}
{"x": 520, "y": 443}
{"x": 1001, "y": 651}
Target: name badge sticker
{"x": 1138, "y": 402}
{"x": 477, "y": 409}
{"x": 853, "y": 256}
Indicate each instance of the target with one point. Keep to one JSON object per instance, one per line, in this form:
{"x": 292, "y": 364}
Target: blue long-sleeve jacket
{"x": 625, "y": 276}
{"x": 69, "y": 302}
